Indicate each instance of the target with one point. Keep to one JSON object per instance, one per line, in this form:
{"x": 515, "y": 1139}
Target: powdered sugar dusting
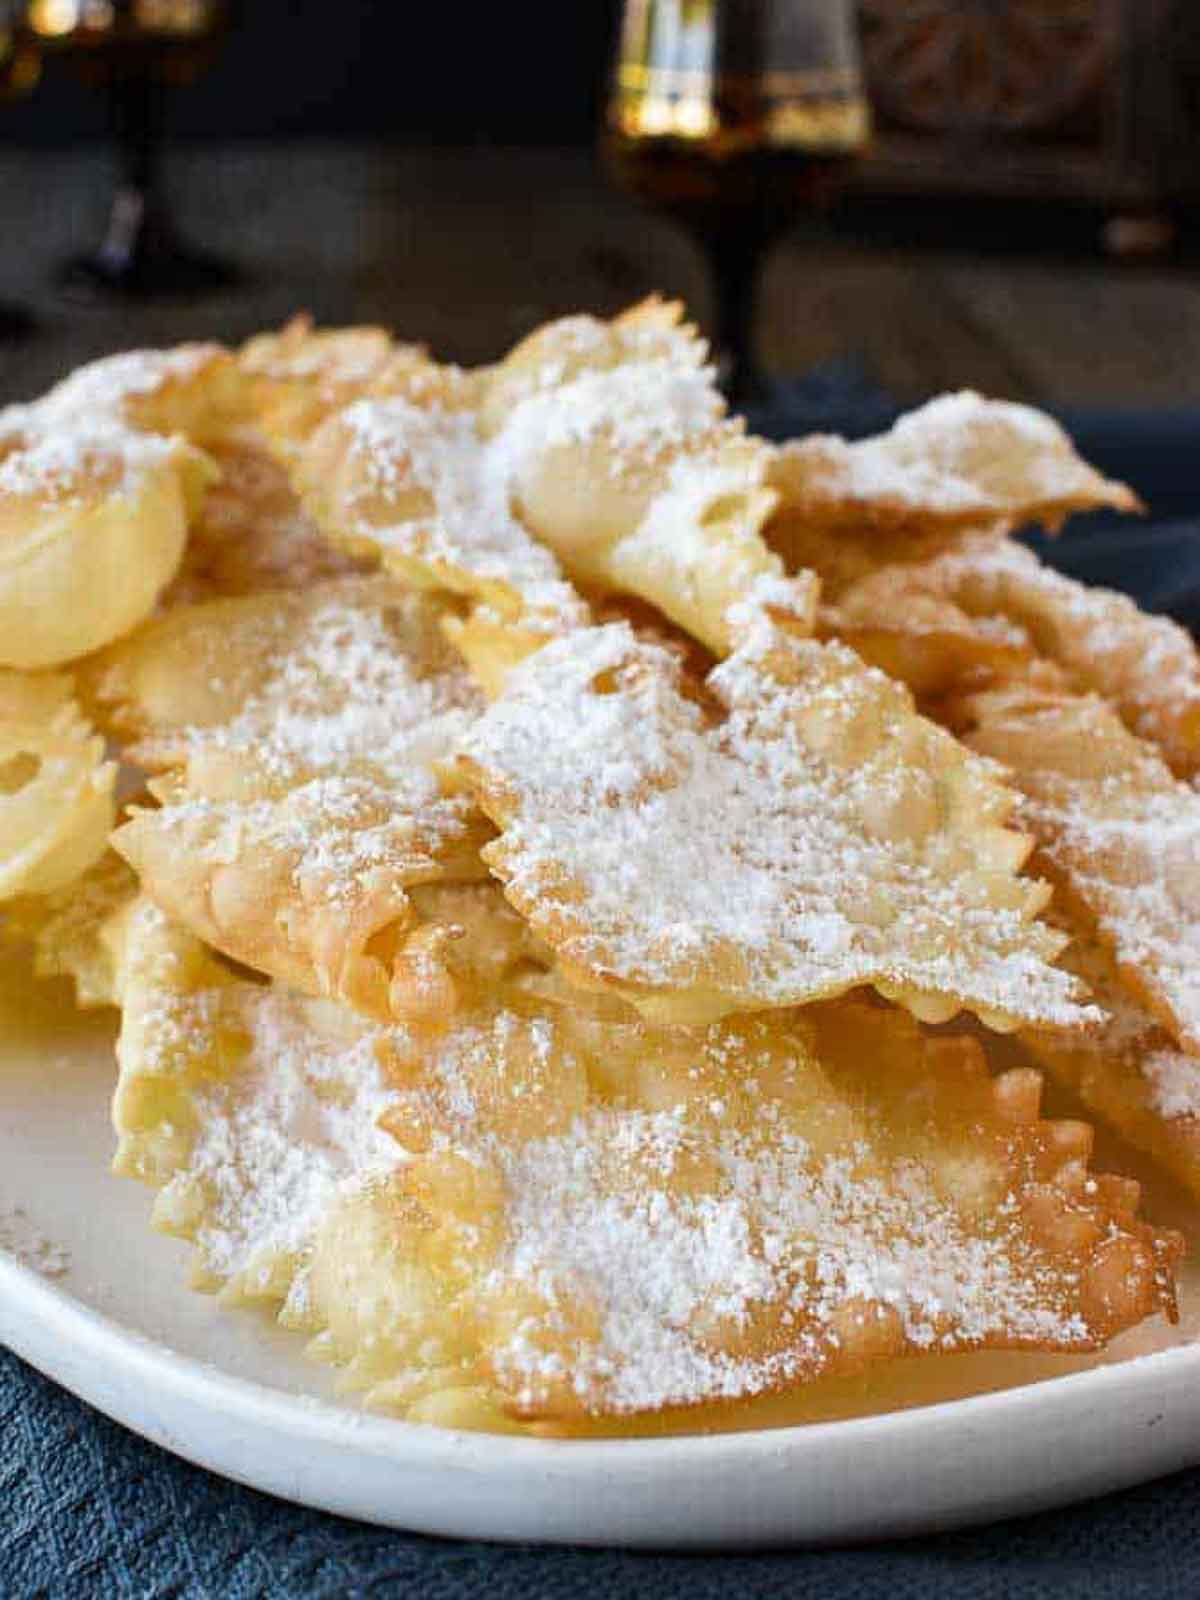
{"x": 80, "y": 435}
{"x": 106, "y": 386}
{"x": 738, "y": 857}
{"x": 356, "y": 691}
{"x": 1125, "y": 836}
{"x": 662, "y": 1254}
{"x": 344, "y": 837}
{"x": 559, "y": 352}
{"x": 1141, "y": 872}
{"x": 276, "y": 1139}
{"x": 779, "y": 1227}
{"x": 455, "y": 489}
{"x": 1147, "y": 666}
{"x": 1174, "y": 1083}
{"x": 21, "y": 1238}
{"x": 640, "y": 408}
{"x": 42, "y": 458}
{"x": 451, "y": 506}
{"x": 959, "y": 456}
{"x": 310, "y": 777}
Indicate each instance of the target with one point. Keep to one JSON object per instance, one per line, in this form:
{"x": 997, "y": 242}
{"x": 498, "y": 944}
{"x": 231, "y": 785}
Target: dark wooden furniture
{"x": 373, "y": 233}
{"x": 1089, "y": 100}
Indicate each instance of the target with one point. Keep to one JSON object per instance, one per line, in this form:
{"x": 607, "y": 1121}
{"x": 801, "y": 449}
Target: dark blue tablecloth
{"x": 88, "y": 1509}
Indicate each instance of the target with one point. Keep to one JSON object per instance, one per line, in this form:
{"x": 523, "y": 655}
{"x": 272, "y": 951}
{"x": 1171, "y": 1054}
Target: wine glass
{"x": 19, "y": 71}
{"x": 137, "y": 50}
{"x": 733, "y": 116}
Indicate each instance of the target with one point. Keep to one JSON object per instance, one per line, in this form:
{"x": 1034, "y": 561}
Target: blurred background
{"x": 921, "y": 193}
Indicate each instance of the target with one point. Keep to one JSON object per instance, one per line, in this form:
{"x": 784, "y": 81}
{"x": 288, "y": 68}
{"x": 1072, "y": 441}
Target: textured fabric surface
{"x": 87, "y": 1509}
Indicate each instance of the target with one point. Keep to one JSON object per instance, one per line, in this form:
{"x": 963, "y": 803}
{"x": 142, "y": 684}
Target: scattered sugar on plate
{"x": 30, "y": 1246}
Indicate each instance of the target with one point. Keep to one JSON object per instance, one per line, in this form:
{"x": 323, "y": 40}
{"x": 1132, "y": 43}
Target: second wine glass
{"x": 136, "y": 51}
{"x": 734, "y": 116}
{"x": 19, "y": 71}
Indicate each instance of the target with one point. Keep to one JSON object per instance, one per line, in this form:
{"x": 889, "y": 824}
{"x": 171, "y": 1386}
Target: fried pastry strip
{"x": 98, "y": 482}
{"x": 1131, "y": 1073}
{"x": 673, "y": 1217}
{"x": 93, "y": 521}
{"x": 301, "y": 375}
{"x": 408, "y": 481}
{"x": 951, "y": 465}
{"x": 572, "y": 347}
{"x": 575, "y": 1215}
{"x": 604, "y": 445}
{"x": 56, "y": 788}
{"x": 1147, "y": 667}
{"x": 68, "y": 928}
{"x": 902, "y": 623}
{"x": 615, "y": 445}
{"x": 192, "y": 390}
{"x": 1116, "y": 831}
{"x": 250, "y": 532}
{"x": 303, "y": 827}
{"x": 192, "y": 1027}
{"x": 785, "y": 832}
{"x": 988, "y": 605}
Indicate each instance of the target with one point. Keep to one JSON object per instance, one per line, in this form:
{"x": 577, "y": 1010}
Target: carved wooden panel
{"x": 949, "y": 65}
{"x": 1094, "y": 99}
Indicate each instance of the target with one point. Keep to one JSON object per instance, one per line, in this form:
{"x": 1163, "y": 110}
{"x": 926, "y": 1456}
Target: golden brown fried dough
{"x": 98, "y": 482}
{"x": 299, "y": 735}
{"x": 56, "y": 788}
{"x": 1131, "y": 1073}
{"x": 250, "y": 532}
{"x": 576, "y": 1215}
{"x": 618, "y": 454}
{"x": 669, "y": 1217}
{"x": 69, "y": 927}
{"x": 1146, "y": 667}
{"x": 1115, "y": 830}
{"x": 409, "y": 485}
{"x": 785, "y": 832}
{"x": 300, "y": 375}
{"x": 953, "y": 464}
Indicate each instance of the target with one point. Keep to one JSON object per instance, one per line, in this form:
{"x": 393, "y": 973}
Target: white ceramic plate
{"x": 107, "y": 1315}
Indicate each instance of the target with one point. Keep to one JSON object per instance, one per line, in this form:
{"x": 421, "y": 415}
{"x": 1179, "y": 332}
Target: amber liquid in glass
{"x": 105, "y": 41}
{"x": 19, "y": 66}
{"x": 734, "y": 117}
{"x": 760, "y": 189}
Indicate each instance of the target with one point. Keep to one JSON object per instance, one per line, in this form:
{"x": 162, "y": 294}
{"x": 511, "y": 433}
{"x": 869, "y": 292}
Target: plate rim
{"x": 93, "y": 1324}
{"x": 98, "y": 1358}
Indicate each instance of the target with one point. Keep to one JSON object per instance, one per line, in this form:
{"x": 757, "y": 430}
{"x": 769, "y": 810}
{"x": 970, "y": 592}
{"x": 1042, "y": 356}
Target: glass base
{"x": 142, "y": 257}
{"x": 16, "y": 324}
{"x": 164, "y": 274}
{"x": 744, "y": 386}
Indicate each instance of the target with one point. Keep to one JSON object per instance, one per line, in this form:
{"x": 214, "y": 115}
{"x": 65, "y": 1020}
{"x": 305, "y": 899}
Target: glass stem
{"x": 735, "y": 263}
{"x": 138, "y": 119}
{"x": 16, "y": 324}
{"x": 142, "y": 256}
{"x": 137, "y": 210}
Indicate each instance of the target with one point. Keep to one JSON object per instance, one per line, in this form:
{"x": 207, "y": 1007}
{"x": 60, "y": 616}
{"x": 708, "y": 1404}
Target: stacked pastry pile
{"x": 581, "y": 853}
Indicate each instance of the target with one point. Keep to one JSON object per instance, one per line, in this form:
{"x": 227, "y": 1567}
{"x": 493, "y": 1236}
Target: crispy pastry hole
{"x": 724, "y": 508}
{"x": 238, "y": 968}
{"x": 19, "y": 771}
